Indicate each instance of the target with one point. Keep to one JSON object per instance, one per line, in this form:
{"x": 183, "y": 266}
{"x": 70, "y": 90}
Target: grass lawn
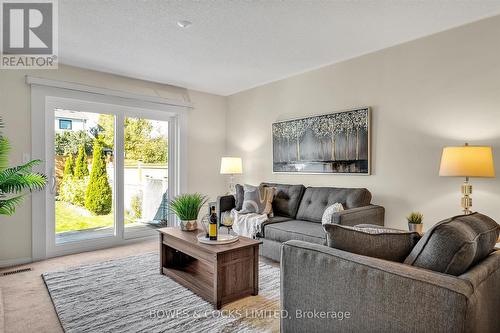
{"x": 70, "y": 218}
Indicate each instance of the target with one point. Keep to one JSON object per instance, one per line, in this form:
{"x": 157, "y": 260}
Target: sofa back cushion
{"x": 372, "y": 240}
{"x": 286, "y": 199}
{"x": 239, "y": 195}
{"x": 454, "y": 245}
{"x": 317, "y": 199}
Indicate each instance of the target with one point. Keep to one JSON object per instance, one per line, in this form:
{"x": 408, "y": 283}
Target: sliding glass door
{"x": 83, "y": 176}
{"x": 109, "y": 167}
{"x": 145, "y": 175}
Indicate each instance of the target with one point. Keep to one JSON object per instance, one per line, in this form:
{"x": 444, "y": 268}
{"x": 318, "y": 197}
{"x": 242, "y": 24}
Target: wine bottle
{"x": 212, "y": 226}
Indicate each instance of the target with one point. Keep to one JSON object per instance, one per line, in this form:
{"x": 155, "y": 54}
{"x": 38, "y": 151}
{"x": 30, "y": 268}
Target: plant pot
{"x": 190, "y": 225}
{"x": 417, "y": 227}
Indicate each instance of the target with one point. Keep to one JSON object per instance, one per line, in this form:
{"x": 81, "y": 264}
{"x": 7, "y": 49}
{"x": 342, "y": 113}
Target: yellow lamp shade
{"x": 467, "y": 161}
{"x": 231, "y": 165}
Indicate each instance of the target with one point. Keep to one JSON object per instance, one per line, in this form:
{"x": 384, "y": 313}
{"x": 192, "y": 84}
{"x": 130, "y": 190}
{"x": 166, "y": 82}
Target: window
{"x": 65, "y": 124}
{"x": 135, "y": 147}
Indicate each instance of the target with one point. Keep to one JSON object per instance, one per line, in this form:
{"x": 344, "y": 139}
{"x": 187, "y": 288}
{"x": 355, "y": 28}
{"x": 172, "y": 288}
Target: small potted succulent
{"x": 415, "y": 222}
{"x": 187, "y": 208}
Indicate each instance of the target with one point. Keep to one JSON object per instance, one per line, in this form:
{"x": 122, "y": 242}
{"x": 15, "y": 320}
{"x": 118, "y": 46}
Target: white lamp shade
{"x": 231, "y": 165}
{"x": 467, "y": 161}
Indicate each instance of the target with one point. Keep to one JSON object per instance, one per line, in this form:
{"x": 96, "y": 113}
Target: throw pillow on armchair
{"x": 372, "y": 240}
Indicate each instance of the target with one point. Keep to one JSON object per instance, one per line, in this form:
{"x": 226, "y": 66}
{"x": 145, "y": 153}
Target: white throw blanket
{"x": 247, "y": 225}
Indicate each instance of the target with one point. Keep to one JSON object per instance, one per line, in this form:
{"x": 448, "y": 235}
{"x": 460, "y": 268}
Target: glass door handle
{"x": 54, "y": 182}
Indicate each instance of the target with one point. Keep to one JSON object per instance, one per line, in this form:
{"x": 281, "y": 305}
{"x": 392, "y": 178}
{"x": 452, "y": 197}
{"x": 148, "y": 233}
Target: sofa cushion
{"x": 316, "y": 199}
{"x": 286, "y": 199}
{"x": 372, "y": 240}
{"x": 296, "y": 230}
{"x": 452, "y": 246}
{"x": 277, "y": 219}
{"x": 271, "y": 220}
{"x": 257, "y": 199}
{"x": 330, "y": 211}
{"x": 239, "y": 196}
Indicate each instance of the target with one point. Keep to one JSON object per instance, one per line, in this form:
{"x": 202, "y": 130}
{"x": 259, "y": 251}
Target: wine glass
{"x": 227, "y": 221}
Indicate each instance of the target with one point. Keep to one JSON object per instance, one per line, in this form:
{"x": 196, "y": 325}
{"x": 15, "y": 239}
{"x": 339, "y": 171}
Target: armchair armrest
{"x": 371, "y": 214}
{"x": 224, "y": 203}
{"x": 373, "y": 295}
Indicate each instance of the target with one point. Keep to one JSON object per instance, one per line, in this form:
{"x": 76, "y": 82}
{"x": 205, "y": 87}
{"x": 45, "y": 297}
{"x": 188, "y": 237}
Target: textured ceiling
{"x": 236, "y": 45}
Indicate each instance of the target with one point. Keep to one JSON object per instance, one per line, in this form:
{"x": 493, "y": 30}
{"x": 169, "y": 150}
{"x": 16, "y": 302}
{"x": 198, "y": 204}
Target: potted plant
{"x": 415, "y": 222}
{"x": 16, "y": 181}
{"x": 187, "y": 207}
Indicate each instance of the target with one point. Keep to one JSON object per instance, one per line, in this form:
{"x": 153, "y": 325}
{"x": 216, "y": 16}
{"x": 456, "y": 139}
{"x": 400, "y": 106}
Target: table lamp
{"x": 231, "y": 166}
{"x": 467, "y": 161}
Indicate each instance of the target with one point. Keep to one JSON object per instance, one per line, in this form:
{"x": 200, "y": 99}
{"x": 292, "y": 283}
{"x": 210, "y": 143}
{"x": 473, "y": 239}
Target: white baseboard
{"x": 14, "y": 262}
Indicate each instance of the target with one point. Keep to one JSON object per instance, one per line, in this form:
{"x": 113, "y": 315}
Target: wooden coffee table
{"x": 218, "y": 273}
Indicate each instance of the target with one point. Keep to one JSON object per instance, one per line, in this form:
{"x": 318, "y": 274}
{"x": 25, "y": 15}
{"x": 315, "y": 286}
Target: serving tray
{"x": 221, "y": 239}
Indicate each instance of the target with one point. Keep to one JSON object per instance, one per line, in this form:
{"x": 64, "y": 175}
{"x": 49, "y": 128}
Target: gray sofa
{"x": 298, "y": 211}
{"x": 387, "y": 296}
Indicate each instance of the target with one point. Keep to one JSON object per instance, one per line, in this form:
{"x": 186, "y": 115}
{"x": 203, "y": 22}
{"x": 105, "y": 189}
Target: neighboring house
{"x": 66, "y": 120}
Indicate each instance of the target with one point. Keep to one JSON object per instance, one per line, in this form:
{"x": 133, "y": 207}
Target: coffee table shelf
{"x": 218, "y": 273}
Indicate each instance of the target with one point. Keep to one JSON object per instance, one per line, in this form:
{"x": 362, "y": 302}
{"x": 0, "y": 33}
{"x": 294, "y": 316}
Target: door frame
{"x": 44, "y": 93}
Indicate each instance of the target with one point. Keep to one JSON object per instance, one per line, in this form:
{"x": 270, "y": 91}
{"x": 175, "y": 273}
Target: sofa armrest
{"x": 224, "y": 203}
{"x": 371, "y": 214}
{"x": 356, "y": 293}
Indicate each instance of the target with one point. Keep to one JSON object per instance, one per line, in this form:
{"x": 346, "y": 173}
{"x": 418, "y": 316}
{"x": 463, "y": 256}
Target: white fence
{"x": 149, "y": 183}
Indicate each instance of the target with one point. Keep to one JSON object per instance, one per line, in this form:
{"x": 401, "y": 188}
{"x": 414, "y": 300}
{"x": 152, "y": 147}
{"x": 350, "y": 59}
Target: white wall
{"x": 437, "y": 91}
{"x": 206, "y": 138}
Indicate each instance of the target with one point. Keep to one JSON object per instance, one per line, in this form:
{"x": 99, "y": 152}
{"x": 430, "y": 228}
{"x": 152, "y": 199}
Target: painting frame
{"x": 368, "y": 170}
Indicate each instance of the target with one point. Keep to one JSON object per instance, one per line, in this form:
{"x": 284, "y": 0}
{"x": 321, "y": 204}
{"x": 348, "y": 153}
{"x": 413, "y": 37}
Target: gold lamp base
{"x": 466, "y": 201}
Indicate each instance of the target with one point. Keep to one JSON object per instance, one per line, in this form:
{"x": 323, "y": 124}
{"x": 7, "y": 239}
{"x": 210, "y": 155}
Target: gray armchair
{"x": 356, "y": 293}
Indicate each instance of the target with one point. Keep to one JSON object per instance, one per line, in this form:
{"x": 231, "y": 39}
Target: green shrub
{"x": 69, "y": 167}
{"x": 81, "y": 167}
{"x": 72, "y": 190}
{"x": 98, "y": 197}
{"x": 136, "y": 205}
{"x": 68, "y": 142}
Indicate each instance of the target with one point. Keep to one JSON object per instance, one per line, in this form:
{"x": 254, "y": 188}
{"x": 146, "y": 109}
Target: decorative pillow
{"x": 286, "y": 199}
{"x": 257, "y": 199}
{"x": 329, "y": 211}
{"x": 238, "y": 196}
{"x": 452, "y": 246}
{"x": 372, "y": 240}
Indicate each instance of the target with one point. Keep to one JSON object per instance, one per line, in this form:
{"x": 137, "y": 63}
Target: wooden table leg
{"x": 217, "y": 285}
{"x": 162, "y": 254}
{"x": 255, "y": 271}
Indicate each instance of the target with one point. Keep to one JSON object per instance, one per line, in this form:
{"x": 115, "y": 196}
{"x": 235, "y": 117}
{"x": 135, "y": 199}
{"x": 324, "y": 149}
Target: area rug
{"x": 130, "y": 295}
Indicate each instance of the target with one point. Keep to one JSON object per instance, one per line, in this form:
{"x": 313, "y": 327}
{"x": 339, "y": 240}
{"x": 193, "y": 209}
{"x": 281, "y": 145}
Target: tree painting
{"x": 320, "y": 127}
{"x": 299, "y": 128}
{"x": 334, "y": 128}
{"x": 278, "y": 136}
{"x": 288, "y": 134}
{"x": 347, "y": 127}
{"x": 332, "y": 143}
{"x": 360, "y": 122}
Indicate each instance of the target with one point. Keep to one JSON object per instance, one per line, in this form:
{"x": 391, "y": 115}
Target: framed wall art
{"x": 335, "y": 143}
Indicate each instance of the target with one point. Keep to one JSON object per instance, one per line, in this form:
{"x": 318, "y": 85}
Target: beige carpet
{"x": 27, "y": 305}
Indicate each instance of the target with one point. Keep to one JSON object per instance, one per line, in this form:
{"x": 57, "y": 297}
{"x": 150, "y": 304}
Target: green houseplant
{"x": 187, "y": 208}
{"x": 16, "y": 180}
{"x": 415, "y": 222}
